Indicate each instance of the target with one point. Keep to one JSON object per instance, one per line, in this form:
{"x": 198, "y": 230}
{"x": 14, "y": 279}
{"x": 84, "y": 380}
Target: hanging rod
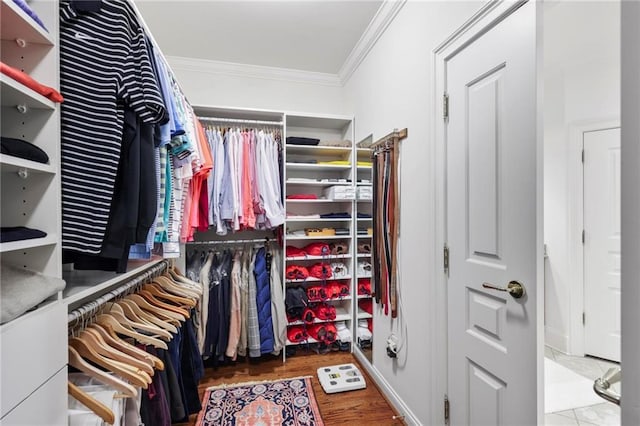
{"x": 396, "y": 135}
{"x": 89, "y": 309}
{"x": 238, "y": 120}
{"x": 217, "y": 242}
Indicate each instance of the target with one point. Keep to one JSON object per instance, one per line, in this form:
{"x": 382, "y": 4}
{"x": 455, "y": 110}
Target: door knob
{"x": 514, "y": 288}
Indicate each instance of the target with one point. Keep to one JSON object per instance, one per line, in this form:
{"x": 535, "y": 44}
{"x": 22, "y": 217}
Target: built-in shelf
{"x": 14, "y": 93}
{"x": 304, "y": 342}
{"x": 321, "y": 237}
{"x": 364, "y": 236}
{"x": 364, "y": 167}
{"x": 11, "y": 164}
{"x": 319, "y": 200}
{"x": 362, "y": 255}
{"x": 364, "y": 219}
{"x": 82, "y": 285}
{"x": 341, "y": 315}
{"x": 362, "y": 314}
{"x": 317, "y": 150}
{"x": 328, "y": 257}
{"x": 318, "y": 280}
{"x": 317, "y": 183}
{"x": 319, "y": 219}
{"x": 364, "y": 296}
{"x": 49, "y": 240}
{"x": 317, "y": 167}
{"x": 50, "y": 303}
{"x": 17, "y": 25}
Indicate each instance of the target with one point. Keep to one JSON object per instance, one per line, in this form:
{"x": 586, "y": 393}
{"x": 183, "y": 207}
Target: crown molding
{"x": 383, "y": 17}
{"x": 252, "y": 71}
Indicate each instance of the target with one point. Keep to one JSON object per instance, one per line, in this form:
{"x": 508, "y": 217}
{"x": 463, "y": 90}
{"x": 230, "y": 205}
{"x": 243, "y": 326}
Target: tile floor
{"x": 605, "y": 414}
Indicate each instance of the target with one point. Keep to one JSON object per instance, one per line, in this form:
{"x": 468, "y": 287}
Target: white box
{"x": 340, "y": 192}
{"x": 365, "y": 193}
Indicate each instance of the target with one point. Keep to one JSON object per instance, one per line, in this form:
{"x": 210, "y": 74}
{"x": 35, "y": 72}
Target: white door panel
{"x": 491, "y": 224}
{"x": 602, "y": 243}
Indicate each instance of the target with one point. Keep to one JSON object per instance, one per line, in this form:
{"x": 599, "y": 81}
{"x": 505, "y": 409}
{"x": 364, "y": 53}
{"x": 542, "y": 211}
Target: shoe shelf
{"x": 318, "y": 280}
{"x": 329, "y": 257}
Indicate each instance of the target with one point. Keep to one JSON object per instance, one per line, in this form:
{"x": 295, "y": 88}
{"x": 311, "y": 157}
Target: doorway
{"x": 581, "y": 106}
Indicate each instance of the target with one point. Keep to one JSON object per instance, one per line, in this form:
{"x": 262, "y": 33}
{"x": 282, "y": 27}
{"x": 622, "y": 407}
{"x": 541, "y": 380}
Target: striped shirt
{"x": 104, "y": 64}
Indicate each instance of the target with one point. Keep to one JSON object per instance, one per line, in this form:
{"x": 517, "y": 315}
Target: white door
{"x": 602, "y": 243}
{"x": 491, "y": 224}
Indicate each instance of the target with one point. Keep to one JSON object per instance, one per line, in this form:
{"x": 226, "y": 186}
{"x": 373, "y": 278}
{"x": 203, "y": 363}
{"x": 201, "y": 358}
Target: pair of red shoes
{"x": 323, "y": 311}
{"x": 364, "y": 286}
{"x": 321, "y": 271}
{"x": 366, "y": 305}
{"x": 313, "y": 249}
{"x": 333, "y": 289}
{"x": 296, "y": 272}
{"x": 322, "y": 332}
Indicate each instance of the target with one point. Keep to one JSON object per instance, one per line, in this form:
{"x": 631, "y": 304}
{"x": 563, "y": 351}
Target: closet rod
{"x": 234, "y": 120}
{"x": 90, "y": 308}
{"x": 216, "y": 242}
{"x": 396, "y": 135}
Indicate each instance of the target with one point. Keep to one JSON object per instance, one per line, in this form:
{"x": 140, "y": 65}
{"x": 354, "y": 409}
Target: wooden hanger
{"x": 153, "y": 309}
{"x": 92, "y": 337}
{"x": 120, "y": 329}
{"x": 179, "y": 289}
{"x": 88, "y": 353}
{"x": 76, "y": 361}
{"x": 118, "y": 312}
{"x": 154, "y": 301}
{"x": 91, "y": 403}
{"x": 181, "y": 279}
{"x": 155, "y": 289}
{"x": 110, "y": 336}
{"x": 146, "y": 315}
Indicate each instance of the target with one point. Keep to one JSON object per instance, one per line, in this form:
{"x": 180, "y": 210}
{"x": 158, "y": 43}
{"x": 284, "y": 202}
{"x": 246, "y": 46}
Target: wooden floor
{"x": 360, "y": 407}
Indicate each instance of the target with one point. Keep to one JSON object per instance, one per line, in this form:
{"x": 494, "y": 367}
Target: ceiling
{"x": 303, "y": 34}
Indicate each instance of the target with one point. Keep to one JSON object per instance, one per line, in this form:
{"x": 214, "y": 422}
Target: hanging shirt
{"x": 98, "y": 73}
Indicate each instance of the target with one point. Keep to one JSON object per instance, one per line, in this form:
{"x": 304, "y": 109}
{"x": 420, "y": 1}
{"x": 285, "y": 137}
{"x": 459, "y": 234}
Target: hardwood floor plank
{"x": 360, "y": 407}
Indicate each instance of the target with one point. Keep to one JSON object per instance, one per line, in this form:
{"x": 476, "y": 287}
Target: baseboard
{"x": 387, "y": 391}
{"x": 556, "y": 339}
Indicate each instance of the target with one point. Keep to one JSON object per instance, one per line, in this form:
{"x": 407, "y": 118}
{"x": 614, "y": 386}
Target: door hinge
{"x": 446, "y": 410}
{"x": 446, "y": 259}
{"x": 583, "y": 236}
{"x": 584, "y": 319}
{"x": 445, "y": 106}
{"x": 583, "y": 156}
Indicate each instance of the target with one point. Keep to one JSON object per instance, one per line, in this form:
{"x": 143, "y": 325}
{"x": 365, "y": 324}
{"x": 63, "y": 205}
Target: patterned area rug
{"x": 288, "y": 402}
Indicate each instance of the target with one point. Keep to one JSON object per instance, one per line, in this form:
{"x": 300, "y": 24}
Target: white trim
{"x": 575, "y": 225}
{"x": 489, "y": 15}
{"x": 387, "y": 390}
{"x": 383, "y": 17}
{"x": 233, "y": 69}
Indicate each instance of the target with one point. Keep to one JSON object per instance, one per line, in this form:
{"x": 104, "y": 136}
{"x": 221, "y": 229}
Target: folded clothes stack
{"x": 294, "y": 140}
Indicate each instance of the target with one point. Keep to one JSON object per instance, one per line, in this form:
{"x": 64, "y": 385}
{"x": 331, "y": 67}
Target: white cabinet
{"x": 33, "y": 360}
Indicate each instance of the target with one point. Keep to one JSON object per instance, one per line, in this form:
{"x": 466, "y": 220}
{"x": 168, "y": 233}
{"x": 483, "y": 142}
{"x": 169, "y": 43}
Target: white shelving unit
{"x": 302, "y": 177}
{"x": 33, "y": 389}
{"x": 364, "y": 180}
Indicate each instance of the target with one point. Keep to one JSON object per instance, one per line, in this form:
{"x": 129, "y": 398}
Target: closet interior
{"x": 281, "y": 197}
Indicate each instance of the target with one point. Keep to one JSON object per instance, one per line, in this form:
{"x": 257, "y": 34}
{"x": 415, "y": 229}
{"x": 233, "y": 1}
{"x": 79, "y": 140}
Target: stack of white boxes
{"x": 340, "y": 192}
{"x": 365, "y": 193}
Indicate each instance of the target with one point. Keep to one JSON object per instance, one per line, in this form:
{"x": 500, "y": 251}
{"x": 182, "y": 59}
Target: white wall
{"x": 210, "y": 83}
{"x": 392, "y": 88}
{"x": 582, "y": 85}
